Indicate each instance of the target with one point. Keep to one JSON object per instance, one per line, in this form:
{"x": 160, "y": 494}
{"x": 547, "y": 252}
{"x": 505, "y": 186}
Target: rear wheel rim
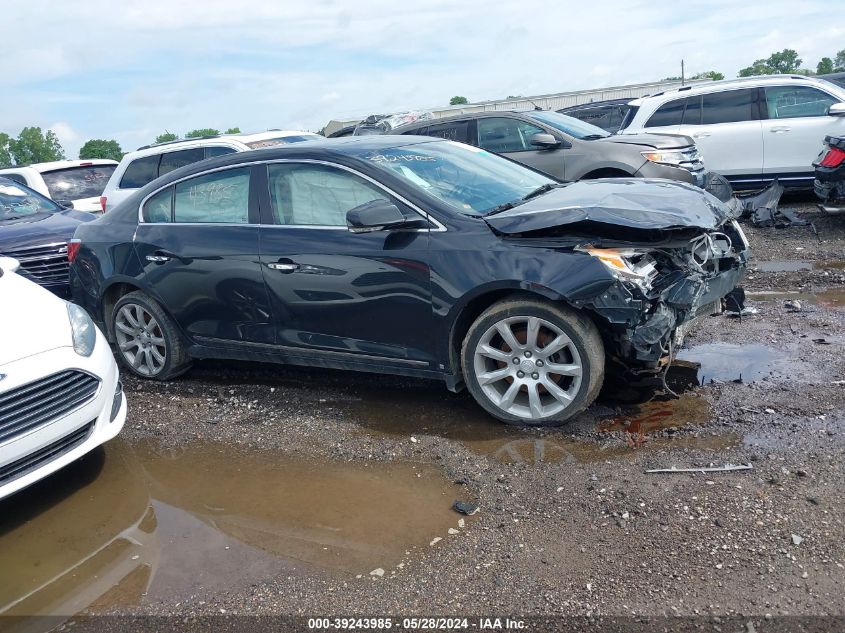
{"x": 528, "y": 367}
{"x": 140, "y": 339}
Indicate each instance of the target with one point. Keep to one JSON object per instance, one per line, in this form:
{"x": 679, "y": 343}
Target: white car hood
{"x": 32, "y": 319}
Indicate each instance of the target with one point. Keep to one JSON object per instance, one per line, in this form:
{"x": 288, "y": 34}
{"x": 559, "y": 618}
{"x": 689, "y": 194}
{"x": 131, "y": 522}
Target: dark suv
{"x": 567, "y": 148}
{"x": 407, "y": 255}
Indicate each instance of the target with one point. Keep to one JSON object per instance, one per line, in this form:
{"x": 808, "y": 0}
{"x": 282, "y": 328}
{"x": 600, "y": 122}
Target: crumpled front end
{"x": 660, "y": 291}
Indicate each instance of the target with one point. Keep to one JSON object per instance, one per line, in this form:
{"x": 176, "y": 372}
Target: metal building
{"x": 554, "y": 101}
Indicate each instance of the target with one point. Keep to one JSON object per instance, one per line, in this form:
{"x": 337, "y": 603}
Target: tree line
{"x": 33, "y": 145}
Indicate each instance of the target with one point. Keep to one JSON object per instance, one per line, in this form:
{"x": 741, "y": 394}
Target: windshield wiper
{"x": 541, "y": 190}
{"x": 593, "y": 137}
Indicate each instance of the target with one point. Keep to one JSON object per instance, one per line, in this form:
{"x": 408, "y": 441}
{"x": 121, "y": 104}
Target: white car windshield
{"x": 471, "y": 180}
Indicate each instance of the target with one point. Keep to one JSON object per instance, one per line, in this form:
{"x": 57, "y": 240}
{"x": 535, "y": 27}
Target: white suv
{"x": 77, "y": 183}
{"x": 147, "y": 163}
{"x": 750, "y": 130}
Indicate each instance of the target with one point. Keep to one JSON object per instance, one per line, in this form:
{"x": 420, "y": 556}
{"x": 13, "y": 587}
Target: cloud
{"x": 147, "y": 66}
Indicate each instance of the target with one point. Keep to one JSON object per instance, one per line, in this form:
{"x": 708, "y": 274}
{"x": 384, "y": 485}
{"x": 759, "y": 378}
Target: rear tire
{"x": 148, "y": 342}
{"x": 533, "y": 363}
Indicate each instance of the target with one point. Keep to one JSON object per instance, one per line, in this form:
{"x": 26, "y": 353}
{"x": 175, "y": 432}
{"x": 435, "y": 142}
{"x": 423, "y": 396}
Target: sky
{"x": 130, "y": 70}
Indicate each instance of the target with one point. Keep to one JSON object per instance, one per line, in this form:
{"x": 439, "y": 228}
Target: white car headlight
{"x": 666, "y": 158}
{"x": 627, "y": 264}
{"x": 83, "y": 329}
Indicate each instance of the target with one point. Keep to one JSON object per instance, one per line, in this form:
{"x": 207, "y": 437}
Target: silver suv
{"x": 569, "y": 149}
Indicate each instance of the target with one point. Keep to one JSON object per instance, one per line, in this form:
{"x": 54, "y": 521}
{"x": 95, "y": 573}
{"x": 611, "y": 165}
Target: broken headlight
{"x": 627, "y": 264}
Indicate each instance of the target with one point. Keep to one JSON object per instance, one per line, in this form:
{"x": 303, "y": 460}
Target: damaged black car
{"x": 414, "y": 256}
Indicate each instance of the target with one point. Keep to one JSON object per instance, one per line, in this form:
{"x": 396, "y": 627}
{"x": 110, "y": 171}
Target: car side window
{"x": 219, "y": 197}
{"x": 790, "y": 102}
{"x": 692, "y": 111}
{"x": 452, "y": 131}
{"x": 141, "y": 171}
{"x": 211, "y": 152}
{"x": 180, "y": 158}
{"x": 669, "y": 113}
{"x": 159, "y": 207}
{"x": 304, "y": 194}
{"x": 730, "y": 106}
{"x": 18, "y": 178}
{"x": 501, "y": 135}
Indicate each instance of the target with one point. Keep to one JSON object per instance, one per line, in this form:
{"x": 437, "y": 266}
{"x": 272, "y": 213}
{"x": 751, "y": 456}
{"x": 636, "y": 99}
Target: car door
{"x": 794, "y": 128}
{"x": 511, "y": 137}
{"x": 198, "y": 244}
{"x": 338, "y": 295}
{"x": 727, "y": 130}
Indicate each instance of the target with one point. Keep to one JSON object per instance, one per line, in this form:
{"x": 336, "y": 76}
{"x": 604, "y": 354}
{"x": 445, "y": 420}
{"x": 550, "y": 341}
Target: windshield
{"x": 282, "y": 140}
{"x": 20, "y": 202}
{"x": 75, "y": 183}
{"x": 468, "y": 178}
{"x": 569, "y": 125}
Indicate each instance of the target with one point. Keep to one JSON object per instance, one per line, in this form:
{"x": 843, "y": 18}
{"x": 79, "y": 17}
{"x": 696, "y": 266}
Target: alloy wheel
{"x": 140, "y": 339}
{"x": 528, "y": 367}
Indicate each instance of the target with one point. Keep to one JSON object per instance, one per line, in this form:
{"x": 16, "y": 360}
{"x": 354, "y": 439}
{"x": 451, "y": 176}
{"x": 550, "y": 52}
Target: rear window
{"x": 75, "y": 183}
{"x": 282, "y": 140}
{"x": 730, "y": 106}
{"x": 140, "y": 172}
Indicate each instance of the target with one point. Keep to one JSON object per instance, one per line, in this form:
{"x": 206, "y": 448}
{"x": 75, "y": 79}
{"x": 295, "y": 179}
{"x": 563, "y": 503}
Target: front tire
{"x": 148, "y": 342}
{"x": 531, "y": 362}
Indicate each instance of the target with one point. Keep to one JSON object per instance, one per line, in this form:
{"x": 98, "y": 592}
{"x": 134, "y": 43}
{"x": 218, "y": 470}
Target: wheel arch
{"x": 606, "y": 172}
{"x": 118, "y": 288}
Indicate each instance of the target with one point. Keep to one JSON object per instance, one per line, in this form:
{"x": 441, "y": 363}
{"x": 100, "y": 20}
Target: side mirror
{"x": 543, "y": 140}
{"x": 376, "y": 215}
{"x": 9, "y": 264}
{"x": 64, "y": 204}
{"x": 837, "y": 109}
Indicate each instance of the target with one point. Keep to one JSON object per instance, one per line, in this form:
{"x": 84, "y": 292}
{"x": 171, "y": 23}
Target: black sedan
{"x": 36, "y": 231}
{"x": 408, "y": 255}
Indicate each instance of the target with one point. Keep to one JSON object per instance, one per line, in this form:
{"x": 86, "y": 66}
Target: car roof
{"x": 63, "y": 164}
{"x": 242, "y": 137}
{"x": 727, "y": 84}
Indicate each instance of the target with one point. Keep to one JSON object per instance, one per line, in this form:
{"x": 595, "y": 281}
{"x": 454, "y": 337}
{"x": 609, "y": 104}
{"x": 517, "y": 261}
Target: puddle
{"x": 794, "y": 266}
{"x": 831, "y": 298}
{"x": 130, "y": 524}
{"x": 658, "y": 415}
{"x": 728, "y": 361}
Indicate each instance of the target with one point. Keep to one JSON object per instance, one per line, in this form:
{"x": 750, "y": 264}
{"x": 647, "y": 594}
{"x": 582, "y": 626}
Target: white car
{"x": 76, "y": 183}
{"x": 750, "y": 130}
{"x": 147, "y": 163}
{"x": 60, "y": 391}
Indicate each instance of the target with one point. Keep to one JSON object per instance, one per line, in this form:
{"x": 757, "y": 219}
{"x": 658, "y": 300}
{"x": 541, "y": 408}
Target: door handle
{"x": 159, "y": 257}
{"x": 285, "y": 267}
{"x": 701, "y": 135}
{"x": 779, "y": 130}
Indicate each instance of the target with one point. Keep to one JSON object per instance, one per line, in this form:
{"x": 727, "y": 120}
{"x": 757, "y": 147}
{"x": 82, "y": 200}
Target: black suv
{"x": 407, "y": 255}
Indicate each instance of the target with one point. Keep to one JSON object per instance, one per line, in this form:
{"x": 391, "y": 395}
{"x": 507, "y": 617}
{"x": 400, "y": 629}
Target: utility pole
{"x": 682, "y": 72}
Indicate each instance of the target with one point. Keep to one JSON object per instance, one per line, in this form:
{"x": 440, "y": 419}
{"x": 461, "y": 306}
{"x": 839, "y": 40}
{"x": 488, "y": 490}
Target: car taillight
{"x": 103, "y": 203}
{"x": 73, "y": 249}
{"x": 834, "y": 158}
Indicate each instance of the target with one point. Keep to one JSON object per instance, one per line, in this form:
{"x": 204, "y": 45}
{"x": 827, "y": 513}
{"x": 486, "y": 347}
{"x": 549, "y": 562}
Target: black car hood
{"x": 637, "y": 203}
{"x": 41, "y": 229}
{"x": 655, "y": 141}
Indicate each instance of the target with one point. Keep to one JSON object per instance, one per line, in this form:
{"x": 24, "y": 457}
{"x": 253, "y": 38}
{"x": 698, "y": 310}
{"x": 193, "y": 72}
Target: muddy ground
{"x": 257, "y": 489}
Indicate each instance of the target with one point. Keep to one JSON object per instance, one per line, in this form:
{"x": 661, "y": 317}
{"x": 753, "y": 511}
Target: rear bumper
{"x": 37, "y": 453}
{"x": 830, "y": 183}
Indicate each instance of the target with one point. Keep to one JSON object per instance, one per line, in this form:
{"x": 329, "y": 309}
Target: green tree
{"x": 760, "y": 67}
{"x": 233, "y": 130}
{"x": 203, "y": 131}
{"x": 5, "y": 156}
{"x": 166, "y": 137}
{"x": 101, "y": 148}
{"x": 825, "y": 66}
{"x": 839, "y": 62}
{"x": 709, "y": 74}
{"x": 784, "y": 62}
{"x": 34, "y": 146}
{"x": 458, "y": 101}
